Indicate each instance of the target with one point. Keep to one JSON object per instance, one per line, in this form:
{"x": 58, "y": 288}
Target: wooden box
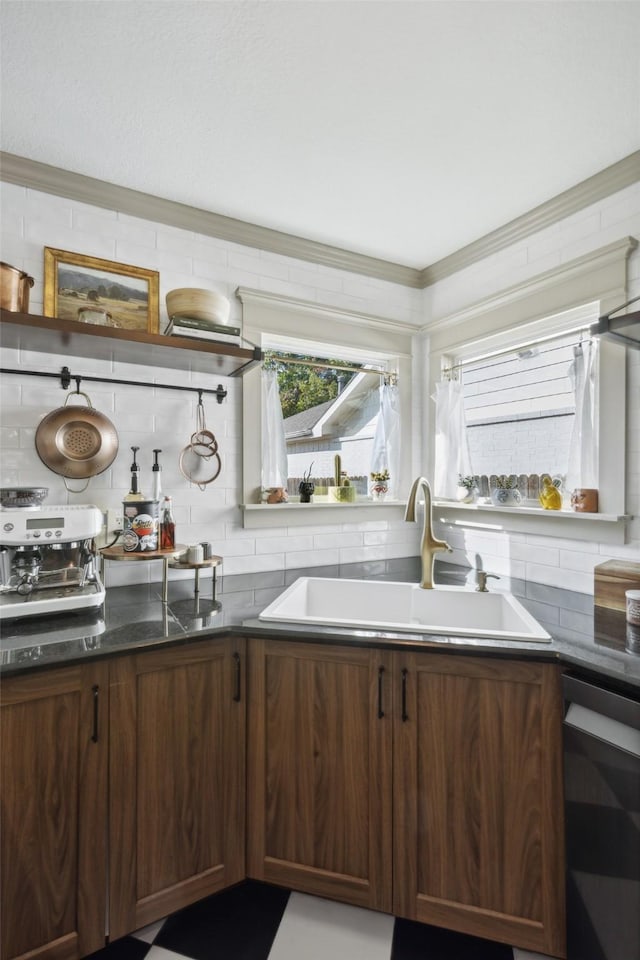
{"x": 611, "y": 580}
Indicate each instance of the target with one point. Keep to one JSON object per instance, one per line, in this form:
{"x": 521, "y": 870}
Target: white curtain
{"x": 386, "y": 440}
{"x": 452, "y": 446}
{"x": 582, "y": 470}
{"x": 274, "y": 448}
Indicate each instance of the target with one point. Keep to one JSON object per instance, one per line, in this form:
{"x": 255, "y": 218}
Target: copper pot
{"x": 15, "y": 285}
{"x": 77, "y": 442}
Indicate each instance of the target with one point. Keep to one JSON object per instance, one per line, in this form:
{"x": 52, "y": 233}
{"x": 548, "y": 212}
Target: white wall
{"x": 555, "y": 561}
{"x": 161, "y": 418}
{"x": 157, "y": 418}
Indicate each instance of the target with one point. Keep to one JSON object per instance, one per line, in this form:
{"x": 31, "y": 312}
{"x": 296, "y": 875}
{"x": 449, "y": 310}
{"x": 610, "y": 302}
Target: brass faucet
{"x": 430, "y": 545}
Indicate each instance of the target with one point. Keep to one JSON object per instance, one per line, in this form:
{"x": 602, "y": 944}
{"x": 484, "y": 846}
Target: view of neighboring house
{"x": 344, "y": 425}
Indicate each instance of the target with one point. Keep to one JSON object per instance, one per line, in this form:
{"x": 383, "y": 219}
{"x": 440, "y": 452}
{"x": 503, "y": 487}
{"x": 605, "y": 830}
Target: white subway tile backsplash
{"x": 256, "y": 564}
{"x": 9, "y": 438}
{"x": 12, "y": 225}
{"x": 287, "y": 289}
{"x": 17, "y": 251}
{"x": 314, "y": 279}
{"x": 325, "y": 541}
{"x": 319, "y": 558}
{"x": 362, "y": 554}
{"x": 283, "y": 544}
{"x": 407, "y": 537}
{"x": 535, "y": 554}
{"x": 13, "y": 198}
{"x": 575, "y": 560}
{"x": 568, "y": 579}
{"x": 154, "y": 417}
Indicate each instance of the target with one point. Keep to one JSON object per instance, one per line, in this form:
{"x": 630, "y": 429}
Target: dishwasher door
{"x": 602, "y": 812}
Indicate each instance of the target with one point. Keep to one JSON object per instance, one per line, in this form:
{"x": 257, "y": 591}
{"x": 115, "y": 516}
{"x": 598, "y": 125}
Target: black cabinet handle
{"x": 405, "y": 715}
{"x": 95, "y": 691}
{"x": 236, "y": 660}
{"x": 380, "y": 682}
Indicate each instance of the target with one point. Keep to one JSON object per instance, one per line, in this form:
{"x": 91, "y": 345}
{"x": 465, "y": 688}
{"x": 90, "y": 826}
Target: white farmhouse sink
{"x": 369, "y": 604}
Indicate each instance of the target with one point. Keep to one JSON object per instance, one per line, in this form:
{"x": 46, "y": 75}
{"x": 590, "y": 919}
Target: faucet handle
{"x": 481, "y": 580}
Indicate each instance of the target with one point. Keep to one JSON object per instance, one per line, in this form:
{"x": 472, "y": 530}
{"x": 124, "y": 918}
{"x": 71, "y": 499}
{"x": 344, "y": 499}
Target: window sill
{"x": 563, "y": 523}
{"x": 294, "y": 514}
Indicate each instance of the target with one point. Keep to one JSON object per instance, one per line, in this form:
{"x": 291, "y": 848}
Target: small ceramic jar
{"x": 584, "y": 500}
{"x": 633, "y": 607}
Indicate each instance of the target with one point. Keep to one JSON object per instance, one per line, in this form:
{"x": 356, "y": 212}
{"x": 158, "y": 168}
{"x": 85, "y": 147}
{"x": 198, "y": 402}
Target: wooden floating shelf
{"x": 30, "y": 331}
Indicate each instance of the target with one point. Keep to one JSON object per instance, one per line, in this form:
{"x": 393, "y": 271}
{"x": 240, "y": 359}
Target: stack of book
{"x": 202, "y": 330}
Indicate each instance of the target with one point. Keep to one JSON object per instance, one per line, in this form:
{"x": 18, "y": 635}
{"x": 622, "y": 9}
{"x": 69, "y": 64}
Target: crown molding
{"x": 65, "y": 183}
{"x": 75, "y": 186}
{"x": 616, "y": 177}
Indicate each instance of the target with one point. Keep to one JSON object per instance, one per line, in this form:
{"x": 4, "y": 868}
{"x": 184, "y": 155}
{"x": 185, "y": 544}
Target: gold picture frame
{"x": 103, "y": 292}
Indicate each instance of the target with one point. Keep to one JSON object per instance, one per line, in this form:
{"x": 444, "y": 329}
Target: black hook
{"x": 78, "y": 380}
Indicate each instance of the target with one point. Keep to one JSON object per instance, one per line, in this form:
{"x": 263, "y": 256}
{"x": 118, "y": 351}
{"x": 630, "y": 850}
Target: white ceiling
{"x": 402, "y": 130}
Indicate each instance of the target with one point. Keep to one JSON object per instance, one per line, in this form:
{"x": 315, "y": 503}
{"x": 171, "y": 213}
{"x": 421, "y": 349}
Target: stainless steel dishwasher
{"x": 602, "y": 812}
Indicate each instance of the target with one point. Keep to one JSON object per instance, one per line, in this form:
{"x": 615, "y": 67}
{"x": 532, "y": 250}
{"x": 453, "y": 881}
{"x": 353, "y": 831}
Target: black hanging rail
{"x": 65, "y": 377}
{"x": 624, "y": 329}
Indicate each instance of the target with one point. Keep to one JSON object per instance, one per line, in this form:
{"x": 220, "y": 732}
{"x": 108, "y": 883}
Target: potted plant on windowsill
{"x": 467, "y": 491}
{"x": 506, "y": 493}
{"x": 379, "y": 486}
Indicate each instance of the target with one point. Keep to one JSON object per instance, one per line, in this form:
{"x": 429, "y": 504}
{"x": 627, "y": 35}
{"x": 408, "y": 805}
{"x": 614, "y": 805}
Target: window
{"x": 290, "y": 326}
{"x": 520, "y": 408}
{"x": 568, "y": 298}
{"x": 330, "y": 411}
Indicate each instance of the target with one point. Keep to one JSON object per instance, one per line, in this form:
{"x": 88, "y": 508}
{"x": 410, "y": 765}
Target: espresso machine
{"x": 48, "y": 560}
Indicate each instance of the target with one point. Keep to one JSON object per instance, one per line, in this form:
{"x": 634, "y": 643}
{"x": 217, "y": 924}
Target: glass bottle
{"x": 167, "y": 525}
{"x": 134, "y": 492}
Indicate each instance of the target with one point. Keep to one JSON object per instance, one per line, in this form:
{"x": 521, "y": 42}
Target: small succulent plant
{"x": 506, "y": 483}
{"x": 379, "y": 475}
{"x": 467, "y": 482}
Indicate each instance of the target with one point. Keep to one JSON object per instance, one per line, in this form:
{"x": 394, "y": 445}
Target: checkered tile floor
{"x": 256, "y": 921}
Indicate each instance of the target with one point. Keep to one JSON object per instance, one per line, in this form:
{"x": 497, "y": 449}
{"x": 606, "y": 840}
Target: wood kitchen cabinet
{"x": 459, "y": 757}
{"x": 54, "y": 812}
{"x": 319, "y": 770}
{"x": 176, "y": 778}
{"x": 478, "y": 811}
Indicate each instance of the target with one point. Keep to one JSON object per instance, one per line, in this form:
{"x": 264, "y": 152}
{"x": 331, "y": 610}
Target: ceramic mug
{"x": 584, "y": 500}
{"x": 195, "y": 553}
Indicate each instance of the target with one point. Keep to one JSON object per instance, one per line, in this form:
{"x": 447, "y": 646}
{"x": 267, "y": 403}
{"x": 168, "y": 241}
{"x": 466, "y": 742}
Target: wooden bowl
{"x": 196, "y": 304}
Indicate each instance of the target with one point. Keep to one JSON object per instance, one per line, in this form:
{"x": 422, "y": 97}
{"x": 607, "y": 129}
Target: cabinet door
{"x": 319, "y": 771}
{"x": 176, "y": 779}
{"x": 478, "y": 834}
{"x": 54, "y": 813}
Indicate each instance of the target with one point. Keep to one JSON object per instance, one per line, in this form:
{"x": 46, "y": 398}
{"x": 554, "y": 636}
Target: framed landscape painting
{"x": 89, "y": 290}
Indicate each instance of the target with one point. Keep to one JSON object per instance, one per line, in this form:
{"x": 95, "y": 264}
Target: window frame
{"x": 274, "y": 322}
{"x": 518, "y": 315}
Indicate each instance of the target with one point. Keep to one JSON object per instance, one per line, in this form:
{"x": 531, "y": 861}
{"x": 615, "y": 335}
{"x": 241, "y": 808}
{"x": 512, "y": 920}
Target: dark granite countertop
{"x": 601, "y": 646}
